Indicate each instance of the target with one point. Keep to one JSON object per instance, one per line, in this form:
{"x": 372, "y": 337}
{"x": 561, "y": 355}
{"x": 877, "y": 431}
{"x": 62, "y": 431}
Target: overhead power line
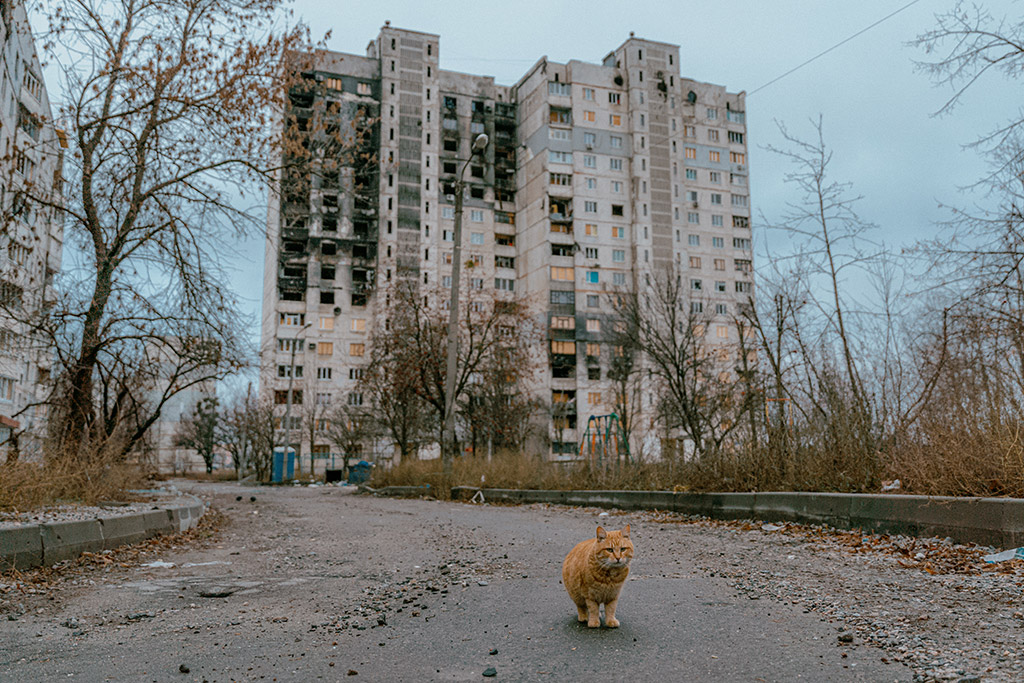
{"x": 839, "y": 44}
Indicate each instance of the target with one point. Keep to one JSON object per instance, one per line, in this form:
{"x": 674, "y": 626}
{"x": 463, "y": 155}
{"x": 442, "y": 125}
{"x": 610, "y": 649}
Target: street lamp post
{"x": 288, "y": 400}
{"x": 448, "y": 438}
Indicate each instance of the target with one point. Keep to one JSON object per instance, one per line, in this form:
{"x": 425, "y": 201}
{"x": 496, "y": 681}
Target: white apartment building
{"x": 598, "y": 177}
{"x": 31, "y": 239}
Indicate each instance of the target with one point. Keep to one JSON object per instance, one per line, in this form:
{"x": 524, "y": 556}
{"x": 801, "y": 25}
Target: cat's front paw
{"x": 593, "y": 623}
{"x": 612, "y": 623}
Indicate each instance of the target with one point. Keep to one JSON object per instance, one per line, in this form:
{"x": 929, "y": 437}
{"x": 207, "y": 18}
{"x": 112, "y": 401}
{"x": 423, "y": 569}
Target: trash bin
{"x": 332, "y": 475}
{"x": 359, "y": 473}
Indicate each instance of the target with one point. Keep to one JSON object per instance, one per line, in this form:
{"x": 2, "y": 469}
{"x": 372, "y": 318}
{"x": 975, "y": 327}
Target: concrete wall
{"x": 986, "y": 521}
{"x": 46, "y": 544}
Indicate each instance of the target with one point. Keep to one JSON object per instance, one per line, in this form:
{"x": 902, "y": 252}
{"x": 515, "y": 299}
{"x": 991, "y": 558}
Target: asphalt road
{"x": 309, "y": 584}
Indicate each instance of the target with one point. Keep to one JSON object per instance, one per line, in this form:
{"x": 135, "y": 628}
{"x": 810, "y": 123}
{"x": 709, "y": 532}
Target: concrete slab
{"x": 67, "y": 540}
{"x": 987, "y": 521}
{"x": 118, "y": 531}
{"x": 159, "y": 522}
{"x": 21, "y": 547}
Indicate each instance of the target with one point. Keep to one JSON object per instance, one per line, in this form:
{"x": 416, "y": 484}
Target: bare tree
{"x": 199, "y": 430}
{"x": 699, "y": 396}
{"x": 626, "y": 375}
{"x": 391, "y": 383}
{"x": 349, "y": 428}
{"x": 168, "y": 109}
{"x": 236, "y": 431}
{"x": 497, "y": 410}
{"x": 422, "y": 325}
{"x": 967, "y": 42}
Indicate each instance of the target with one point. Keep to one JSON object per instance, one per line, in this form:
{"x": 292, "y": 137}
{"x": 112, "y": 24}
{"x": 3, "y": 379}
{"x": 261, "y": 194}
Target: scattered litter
{"x": 771, "y": 527}
{"x": 203, "y": 564}
{"x": 893, "y": 485}
{"x": 1015, "y": 554}
{"x": 478, "y": 497}
{"x": 603, "y": 514}
{"x": 159, "y": 564}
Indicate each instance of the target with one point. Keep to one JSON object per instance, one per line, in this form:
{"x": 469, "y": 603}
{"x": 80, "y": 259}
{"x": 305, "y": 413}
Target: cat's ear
{"x": 625, "y": 531}
{"x": 601, "y": 533}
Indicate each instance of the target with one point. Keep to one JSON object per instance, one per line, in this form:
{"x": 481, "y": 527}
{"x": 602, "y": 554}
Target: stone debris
{"x": 931, "y": 604}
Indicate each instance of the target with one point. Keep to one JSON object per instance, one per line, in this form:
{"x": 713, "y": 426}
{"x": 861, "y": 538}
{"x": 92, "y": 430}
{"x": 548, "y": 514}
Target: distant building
{"x": 596, "y": 177}
{"x": 164, "y": 453}
{"x": 31, "y": 236}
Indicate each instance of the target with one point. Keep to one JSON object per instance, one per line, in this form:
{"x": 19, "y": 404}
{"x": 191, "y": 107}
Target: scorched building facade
{"x": 597, "y": 178}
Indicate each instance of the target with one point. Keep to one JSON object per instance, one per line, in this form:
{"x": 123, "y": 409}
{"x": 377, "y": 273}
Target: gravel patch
{"x": 147, "y": 500}
{"x": 931, "y": 604}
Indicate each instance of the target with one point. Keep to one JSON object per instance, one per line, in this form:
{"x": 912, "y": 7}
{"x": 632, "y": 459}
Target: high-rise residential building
{"x": 597, "y": 178}
{"x": 31, "y": 234}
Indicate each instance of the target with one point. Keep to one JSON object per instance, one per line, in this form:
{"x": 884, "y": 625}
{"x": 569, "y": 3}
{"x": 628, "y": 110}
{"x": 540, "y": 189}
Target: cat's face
{"x": 614, "y": 549}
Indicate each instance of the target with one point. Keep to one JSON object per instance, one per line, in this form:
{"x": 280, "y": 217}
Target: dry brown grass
{"x": 72, "y": 478}
{"x": 216, "y": 475}
{"x": 25, "y": 485}
{"x": 963, "y": 460}
{"x": 515, "y": 471}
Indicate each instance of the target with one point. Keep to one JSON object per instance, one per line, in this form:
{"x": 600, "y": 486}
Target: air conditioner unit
{"x": 741, "y": 168}
{"x": 590, "y": 145}
{"x": 312, "y": 346}
{"x": 696, "y": 205}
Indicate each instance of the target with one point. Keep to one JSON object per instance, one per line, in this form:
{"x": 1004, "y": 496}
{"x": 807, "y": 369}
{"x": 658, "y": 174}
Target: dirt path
{"x": 314, "y": 583}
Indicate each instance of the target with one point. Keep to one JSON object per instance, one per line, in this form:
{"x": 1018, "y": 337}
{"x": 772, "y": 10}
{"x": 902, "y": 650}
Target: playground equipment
{"x": 604, "y": 440}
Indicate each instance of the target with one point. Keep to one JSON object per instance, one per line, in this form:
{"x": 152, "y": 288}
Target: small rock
{"x": 216, "y": 592}
{"x": 70, "y": 622}
{"x": 238, "y": 498}
{"x": 481, "y": 583}
{"x": 845, "y": 637}
{"x": 139, "y": 616}
{"x": 490, "y": 672}
{"x": 353, "y": 672}
{"x": 252, "y": 499}
{"x": 184, "y": 669}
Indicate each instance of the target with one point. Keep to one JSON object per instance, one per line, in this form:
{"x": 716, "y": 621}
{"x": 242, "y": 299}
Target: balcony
{"x": 559, "y": 210}
{"x": 291, "y": 284}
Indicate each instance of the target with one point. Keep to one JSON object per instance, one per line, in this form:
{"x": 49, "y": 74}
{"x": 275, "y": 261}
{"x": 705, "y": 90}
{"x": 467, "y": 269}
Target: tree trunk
{"x": 79, "y": 398}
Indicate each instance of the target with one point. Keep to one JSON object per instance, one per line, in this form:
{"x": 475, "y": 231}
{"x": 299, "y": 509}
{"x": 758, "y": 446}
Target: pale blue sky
{"x": 877, "y": 110}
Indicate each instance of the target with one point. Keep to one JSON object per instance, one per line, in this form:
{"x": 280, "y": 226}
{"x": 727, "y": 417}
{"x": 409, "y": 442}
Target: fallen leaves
{"x": 46, "y": 579}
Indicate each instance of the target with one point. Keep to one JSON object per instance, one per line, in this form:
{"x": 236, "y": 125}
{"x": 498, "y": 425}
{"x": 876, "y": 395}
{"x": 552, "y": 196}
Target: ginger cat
{"x": 593, "y": 573}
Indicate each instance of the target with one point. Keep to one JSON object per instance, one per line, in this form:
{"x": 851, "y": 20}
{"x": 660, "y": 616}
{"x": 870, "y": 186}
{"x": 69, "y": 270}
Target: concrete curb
{"x": 399, "y": 491}
{"x": 986, "y": 521}
{"x": 46, "y": 544}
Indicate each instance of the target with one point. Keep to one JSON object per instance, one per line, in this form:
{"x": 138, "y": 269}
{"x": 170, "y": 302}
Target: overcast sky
{"x": 878, "y": 111}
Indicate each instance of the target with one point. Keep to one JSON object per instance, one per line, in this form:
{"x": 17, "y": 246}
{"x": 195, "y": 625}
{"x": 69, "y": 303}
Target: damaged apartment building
{"x": 31, "y": 236}
{"x": 595, "y": 177}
